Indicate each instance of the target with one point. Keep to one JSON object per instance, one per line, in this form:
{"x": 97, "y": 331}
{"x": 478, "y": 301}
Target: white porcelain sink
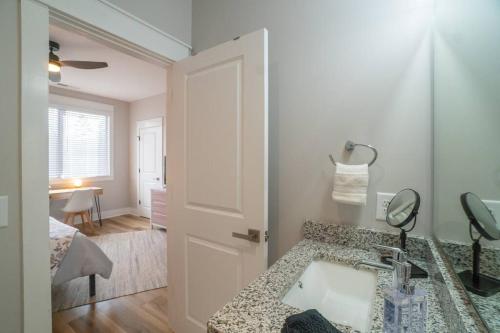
{"x": 339, "y": 292}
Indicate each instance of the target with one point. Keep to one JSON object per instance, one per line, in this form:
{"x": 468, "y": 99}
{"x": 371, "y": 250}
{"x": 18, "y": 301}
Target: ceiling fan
{"x": 55, "y": 63}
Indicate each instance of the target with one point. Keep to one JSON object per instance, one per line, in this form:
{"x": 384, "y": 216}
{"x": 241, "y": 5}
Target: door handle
{"x": 252, "y": 236}
{"x": 157, "y": 178}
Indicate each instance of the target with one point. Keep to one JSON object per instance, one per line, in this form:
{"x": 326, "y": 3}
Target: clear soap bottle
{"x": 405, "y": 308}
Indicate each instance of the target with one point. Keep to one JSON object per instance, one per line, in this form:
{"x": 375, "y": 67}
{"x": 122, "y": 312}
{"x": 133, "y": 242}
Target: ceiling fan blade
{"x": 84, "y": 64}
{"x": 55, "y": 76}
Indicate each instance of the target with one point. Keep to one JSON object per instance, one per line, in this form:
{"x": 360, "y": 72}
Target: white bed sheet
{"x": 83, "y": 258}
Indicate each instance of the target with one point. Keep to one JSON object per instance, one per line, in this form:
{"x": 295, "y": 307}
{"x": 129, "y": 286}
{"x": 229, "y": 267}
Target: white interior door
{"x": 217, "y": 176}
{"x": 150, "y": 165}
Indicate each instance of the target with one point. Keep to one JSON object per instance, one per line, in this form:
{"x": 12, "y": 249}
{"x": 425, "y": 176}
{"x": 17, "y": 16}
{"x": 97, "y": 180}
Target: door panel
{"x": 217, "y": 176}
{"x": 213, "y": 113}
{"x": 149, "y": 144}
{"x": 206, "y": 293}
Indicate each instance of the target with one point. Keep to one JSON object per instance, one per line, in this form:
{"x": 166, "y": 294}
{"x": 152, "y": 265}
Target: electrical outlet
{"x": 383, "y": 200}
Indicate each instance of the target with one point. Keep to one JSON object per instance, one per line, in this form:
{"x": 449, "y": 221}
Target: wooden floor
{"x": 141, "y": 312}
{"x": 123, "y": 223}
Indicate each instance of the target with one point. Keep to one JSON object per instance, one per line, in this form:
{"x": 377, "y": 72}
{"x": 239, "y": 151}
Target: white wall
{"x": 338, "y": 70}
{"x": 171, "y": 16}
{"x": 10, "y": 185}
{"x": 467, "y": 81}
{"x": 147, "y": 108}
{"x": 115, "y": 194}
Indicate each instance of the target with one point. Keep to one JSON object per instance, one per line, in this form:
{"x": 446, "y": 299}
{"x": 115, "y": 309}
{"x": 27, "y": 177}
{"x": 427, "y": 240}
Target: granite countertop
{"x": 487, "y": 307}
{"x": 258, "y": 307}
{"x": 459, "y": 256}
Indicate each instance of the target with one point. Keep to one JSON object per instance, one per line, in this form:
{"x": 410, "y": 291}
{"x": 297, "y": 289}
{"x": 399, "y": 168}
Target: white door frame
{"x": 159, "y": 121}
{"x": 116, "y": 27}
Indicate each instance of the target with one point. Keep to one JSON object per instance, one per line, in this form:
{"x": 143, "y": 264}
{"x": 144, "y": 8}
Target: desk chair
{"x": 80, "y": 203}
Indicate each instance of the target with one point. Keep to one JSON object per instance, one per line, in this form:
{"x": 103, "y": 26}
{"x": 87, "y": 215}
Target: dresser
{"x": 159, "y": 208}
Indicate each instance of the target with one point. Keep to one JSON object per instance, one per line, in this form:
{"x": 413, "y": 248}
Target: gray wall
{"x": 143, "y": 109}
{"x": 115, "y": 191}
{"x": 10, "y": 237}
{"x": 338, "y": 70}
{"x": 171, "y": 16}
{"x": 467, "y": 112}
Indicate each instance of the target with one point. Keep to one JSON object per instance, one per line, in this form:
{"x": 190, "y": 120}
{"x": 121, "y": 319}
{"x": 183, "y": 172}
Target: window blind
{"x": 79, "y": 144}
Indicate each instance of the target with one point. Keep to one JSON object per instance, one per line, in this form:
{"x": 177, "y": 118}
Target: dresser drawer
{"x": 159, "y": 196}
{"x": 159, "y": 219}
{"x": 158, "y": 207}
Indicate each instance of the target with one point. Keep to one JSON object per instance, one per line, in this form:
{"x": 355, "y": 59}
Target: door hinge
{"x": 139, "y": 202}
{"x": 139, "y": 170}
{"x": 266, "y": 236}
{"x": 139, "y": 137}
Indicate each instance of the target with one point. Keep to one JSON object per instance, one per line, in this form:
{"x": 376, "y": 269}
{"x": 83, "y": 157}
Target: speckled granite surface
{"x": 258, "y": 307}
{"x": 489, "y": 310}
{"x": 460, "y": 255}
{"x": 363, "y": 238}
{"x": 459, "y": 313}
{"x": 460, "y": 259}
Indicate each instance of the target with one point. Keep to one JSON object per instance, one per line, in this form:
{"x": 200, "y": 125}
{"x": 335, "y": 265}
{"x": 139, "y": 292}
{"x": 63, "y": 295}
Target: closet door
{"x": 150, "y": 162}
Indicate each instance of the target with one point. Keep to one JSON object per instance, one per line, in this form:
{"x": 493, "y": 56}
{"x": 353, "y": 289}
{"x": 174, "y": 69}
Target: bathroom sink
{"x": 339, "y": 292}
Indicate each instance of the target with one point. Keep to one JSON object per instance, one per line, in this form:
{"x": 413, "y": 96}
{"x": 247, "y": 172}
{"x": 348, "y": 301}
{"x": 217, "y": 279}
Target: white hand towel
{"x": 350, "y": 184}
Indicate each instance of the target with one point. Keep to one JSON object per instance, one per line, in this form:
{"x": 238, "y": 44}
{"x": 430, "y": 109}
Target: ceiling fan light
{"x": 54, "y": 66}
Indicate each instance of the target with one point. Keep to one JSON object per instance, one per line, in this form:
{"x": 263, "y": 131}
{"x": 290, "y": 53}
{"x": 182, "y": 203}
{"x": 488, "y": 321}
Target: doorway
{"x": 149, "y": 161}
{"x": 116, "y": 29}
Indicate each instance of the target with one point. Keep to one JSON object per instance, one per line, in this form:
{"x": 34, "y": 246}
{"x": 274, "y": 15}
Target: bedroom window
{"x": 79, "y": 143}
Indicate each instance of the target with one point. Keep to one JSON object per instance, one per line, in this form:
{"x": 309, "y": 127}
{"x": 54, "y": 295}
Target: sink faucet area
{"x": 345, "y": 293}
{"x": 340, "y": 292}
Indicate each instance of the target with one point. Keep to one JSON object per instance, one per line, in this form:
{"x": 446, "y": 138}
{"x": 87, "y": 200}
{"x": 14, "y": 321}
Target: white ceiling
{"x": 127, "y": 78}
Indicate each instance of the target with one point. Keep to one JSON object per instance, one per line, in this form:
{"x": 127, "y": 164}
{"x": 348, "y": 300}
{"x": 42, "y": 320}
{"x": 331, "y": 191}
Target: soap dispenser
{"x": 405, "y": 307}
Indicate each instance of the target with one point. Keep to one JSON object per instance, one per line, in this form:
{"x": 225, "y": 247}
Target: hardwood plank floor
{"x": 142, "y": 312}
{"x": 123, "y": 223}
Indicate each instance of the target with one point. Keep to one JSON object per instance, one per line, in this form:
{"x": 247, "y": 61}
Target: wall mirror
{"x": 466, "y": 144}
{"x": 484, "y": 223}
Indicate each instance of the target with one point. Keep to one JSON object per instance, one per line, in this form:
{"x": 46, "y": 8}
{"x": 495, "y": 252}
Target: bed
{"x": 74, "y": 255}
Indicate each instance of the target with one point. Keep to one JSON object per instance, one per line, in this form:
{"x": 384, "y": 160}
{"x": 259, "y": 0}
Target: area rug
{"x": 139, "y": 264}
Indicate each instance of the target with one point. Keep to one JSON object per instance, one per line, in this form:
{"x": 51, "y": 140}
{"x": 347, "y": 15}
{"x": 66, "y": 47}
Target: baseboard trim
{"x": 106, "y": 214}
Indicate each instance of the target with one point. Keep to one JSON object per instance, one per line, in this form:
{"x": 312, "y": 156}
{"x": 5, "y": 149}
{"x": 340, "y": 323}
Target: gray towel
{"x": 310, "y": 321}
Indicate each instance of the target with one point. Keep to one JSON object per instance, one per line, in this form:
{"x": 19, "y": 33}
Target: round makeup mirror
{"x": 401, "y": 211}
{"x": 403, "y": 208}
{"x": 480, "y": 216}
{"x": 484, "y": 222}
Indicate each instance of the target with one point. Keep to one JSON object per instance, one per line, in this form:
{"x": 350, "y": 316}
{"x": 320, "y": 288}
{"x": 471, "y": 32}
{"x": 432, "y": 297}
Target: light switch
{"x": 4, "y": 211}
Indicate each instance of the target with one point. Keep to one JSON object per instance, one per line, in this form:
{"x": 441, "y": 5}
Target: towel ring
{"x": 349, "y": 146}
